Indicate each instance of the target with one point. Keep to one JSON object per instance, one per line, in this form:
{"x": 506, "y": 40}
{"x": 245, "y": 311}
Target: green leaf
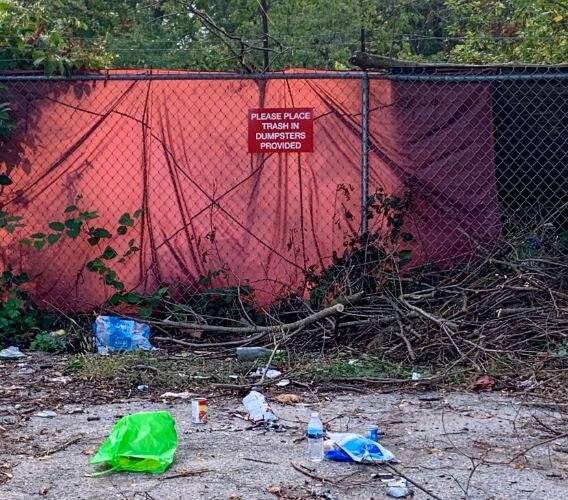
{"x": 138, "y": 213}
{"x": 74, "y": 232}
{"x": 38, "y": 236}
{"x": 100, "y": 232}
{"x": 404, "y": 256}
{"x": 27, "y": 242}
{"x": 122, "y": 230}
{"x": 145, "y": 312}
{"x": 119, "y": 285}
{"x": 133, "y": 298}
{"x": 96, "y": 266}
{"x": 52, "y": 239}
{"x": 71, "y": 208}
{"x": 87, "y": 216}
{"x": 109, "y": 253}
{"x": 39, "y": 244}
{"x": 93, "y": 241}
{"x": 126, "y": 220}
{"x": 57, "y": 226}
{"x": 5, "y": 180}
{"x": 115, "y": 299}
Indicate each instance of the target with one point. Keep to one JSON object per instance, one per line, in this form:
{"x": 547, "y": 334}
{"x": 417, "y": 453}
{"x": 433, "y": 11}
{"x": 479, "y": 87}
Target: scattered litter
{"x": 177, "y": 395}
{"x": 267, "y": 372}
{"x": 61, "y": 380}
{"x": 483, "y": 384}
{"x": 114, "y": 334}
{"x": 400, "y": 492}
{"x": 373, "y": 432}
{"x": 142, "y": 388}
{"x": 9, "y": 420}
{"x": 141, "y": 442}
{"x": 416, "y": 376}
{"x": 258, "y": 408}
{"x": 288, "y": 399}
{"x": 46, "y": 414}
{"x": 58, "y": 333}
{"x": 252, "y": 353}
{"x": 315, "y": 435}
{"x": 88, "y": 451}
{"x": 12, "y": 352}
{"x": 397, "y": 483}
{"x": 199, "y": 411}
{"x": 283, "y": 383}
{"x": 269, "y": 427}
{"x": 348, "y": 447}
{"x": 529, "y": 384}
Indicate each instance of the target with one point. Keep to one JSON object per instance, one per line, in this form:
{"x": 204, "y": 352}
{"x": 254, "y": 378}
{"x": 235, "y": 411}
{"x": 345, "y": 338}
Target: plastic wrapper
{"x": 349, "y": 447}
{"x": 258, "y": 408}
{"x": 114, "y": 334}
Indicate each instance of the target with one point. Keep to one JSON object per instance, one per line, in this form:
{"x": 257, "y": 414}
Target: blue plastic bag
{"x": 114, "y": 334}
{"x": 349, "y": 447}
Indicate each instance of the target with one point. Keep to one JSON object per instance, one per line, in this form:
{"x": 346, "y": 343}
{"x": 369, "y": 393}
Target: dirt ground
{"x": 454, "y": 445}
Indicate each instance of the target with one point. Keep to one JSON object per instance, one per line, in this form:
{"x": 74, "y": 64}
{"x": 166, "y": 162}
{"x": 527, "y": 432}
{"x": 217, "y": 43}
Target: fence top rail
{"x": 312, "y": 75}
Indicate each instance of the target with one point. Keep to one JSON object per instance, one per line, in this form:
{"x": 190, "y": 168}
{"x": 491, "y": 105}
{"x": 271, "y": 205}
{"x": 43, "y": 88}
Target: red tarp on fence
{"x": 178, "y": 150}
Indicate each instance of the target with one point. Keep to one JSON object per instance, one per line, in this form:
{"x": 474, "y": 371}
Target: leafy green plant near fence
{"x": 366, "y": 257}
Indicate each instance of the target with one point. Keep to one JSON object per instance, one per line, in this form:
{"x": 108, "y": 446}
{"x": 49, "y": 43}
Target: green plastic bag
{"x": 141, "y": 442}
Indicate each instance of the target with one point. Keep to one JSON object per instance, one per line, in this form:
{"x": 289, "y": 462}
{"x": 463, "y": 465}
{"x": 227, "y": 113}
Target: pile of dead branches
{"x": 494, "y": 315}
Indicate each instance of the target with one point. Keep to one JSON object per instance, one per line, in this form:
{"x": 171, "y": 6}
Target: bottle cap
{"x": 315, "y": 414}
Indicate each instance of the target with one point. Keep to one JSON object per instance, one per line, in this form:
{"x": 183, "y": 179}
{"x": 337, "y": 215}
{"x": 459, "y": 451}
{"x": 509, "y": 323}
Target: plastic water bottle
{"x": 315, "y": 438}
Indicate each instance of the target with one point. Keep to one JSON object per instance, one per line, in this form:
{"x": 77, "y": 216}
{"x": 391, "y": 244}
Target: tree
{"x": 486, "y": 31}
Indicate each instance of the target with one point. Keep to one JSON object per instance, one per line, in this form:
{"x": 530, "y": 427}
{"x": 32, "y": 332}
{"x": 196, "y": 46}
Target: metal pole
{"x": 264, "y": 8}
{"x": 364, "y": 153}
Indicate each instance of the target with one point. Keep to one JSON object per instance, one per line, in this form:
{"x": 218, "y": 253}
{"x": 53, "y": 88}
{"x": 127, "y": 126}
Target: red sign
{"x": 281, "y": 130}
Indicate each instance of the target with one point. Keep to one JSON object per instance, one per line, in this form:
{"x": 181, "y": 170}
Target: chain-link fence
{"x": 128, "y": 181}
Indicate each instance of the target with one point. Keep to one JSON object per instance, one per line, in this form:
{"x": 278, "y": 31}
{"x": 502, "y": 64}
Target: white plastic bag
{"x": 258, "y": 409}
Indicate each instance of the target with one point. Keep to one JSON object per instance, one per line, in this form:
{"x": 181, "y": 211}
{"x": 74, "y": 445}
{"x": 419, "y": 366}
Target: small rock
{"x": 61, "y": 380}
{"x": 46, "y": 414}
{"x": 12, "y": 352}
{"x": 400, "y": 492}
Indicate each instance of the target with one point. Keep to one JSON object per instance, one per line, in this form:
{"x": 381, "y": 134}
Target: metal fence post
{"x": 364, "y": 152}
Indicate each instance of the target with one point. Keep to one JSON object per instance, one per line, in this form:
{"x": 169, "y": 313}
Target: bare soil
{"x": 453, "y": 445}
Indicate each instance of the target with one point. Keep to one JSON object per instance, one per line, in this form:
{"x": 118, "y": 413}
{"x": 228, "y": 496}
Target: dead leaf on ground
{"x": 274, "y": 489}
{"x": 288, "y": 399}
{"x": 235, "y": 496}
{"x": 88, "y": 452}
{"x": 484, "y": 383}
{"x": 44, "y": 491}
{"x": 434, "y": 450}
